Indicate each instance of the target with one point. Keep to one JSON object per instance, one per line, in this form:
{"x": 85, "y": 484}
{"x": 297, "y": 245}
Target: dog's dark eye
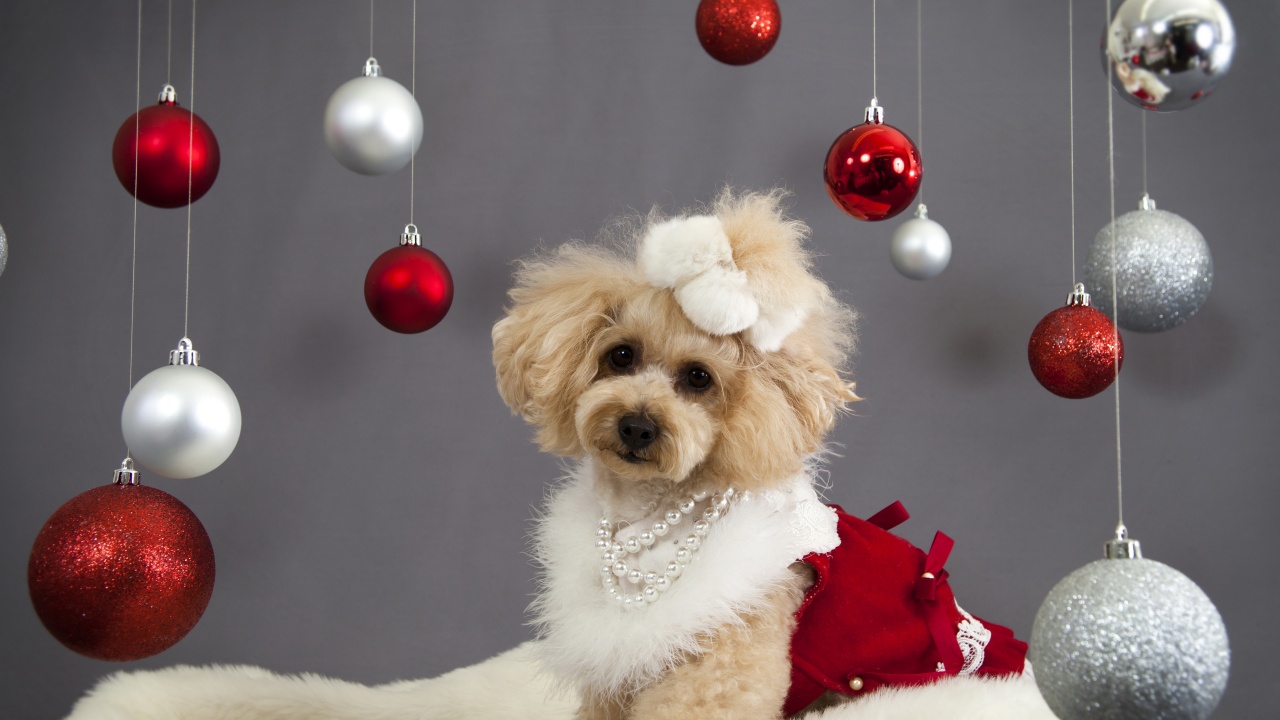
{"x": 698, "y": 379}
{"x": 621, "y": 357}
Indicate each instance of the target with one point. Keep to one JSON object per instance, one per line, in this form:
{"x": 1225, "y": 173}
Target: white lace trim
{"x": 973, "y": 638}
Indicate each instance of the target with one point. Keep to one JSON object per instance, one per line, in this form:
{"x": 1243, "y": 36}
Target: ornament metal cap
{"x": 126, "y": 474}
{"x": 168, "y": 96}
{"x": 410, "y": 235}
{"x": 922, "y": 212}
{"x": 185, "y": 354}
{"x": 1146, "y": 203}
{"x": 1078, "y": 296}
{"x": 874, "y": 113}
{"x": 1122, "y": 547}
{"x": 371, "y": 68}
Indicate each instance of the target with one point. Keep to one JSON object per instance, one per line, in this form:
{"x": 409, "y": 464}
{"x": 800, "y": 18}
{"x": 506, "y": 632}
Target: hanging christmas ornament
{"x": 121, "y": 572}
{"x": 1163, "y": 269}
{"x": 169, "y": 146}
{"x": 372, "y": 124}
{"x": 1167, "y": 55}
{"x": 1125, "y": 637}
{"x": 921, "y": 248}
{"x": 738, "y": 32}
{"x": 873, "y": 170}
{"x": 1075, "y": 351}
{"x": 408, "y": 288}
{"x": 181, "y": 420}
{"x": 4, "y": 250}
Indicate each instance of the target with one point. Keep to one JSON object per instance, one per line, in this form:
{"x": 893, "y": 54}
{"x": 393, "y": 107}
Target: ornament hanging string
{"x": 919, "y": 93}
{"x": 874, "y": 93}
{"x": 191, "y": 141}
{"x": 370, "y": 28}
{"x": 413, "y": 91}
{"x": 1111, "y": 165}
{"x": 133, "y": 266}
{"x": 168, "y": 61}
{"x": 1144, "y": 154}
{"x": 1071, "y": 124}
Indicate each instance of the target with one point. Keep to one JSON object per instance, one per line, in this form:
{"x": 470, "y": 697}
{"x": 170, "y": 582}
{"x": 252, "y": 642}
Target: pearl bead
{"x": 638, "y": 599}
{"x": 613, "y": 592}
{"x": 660, "y": 528}
{"x": 701, "y": 527}
{"x": 720, "y": 503}
{"x": 700, "y": 496}
{"x": 682, "y": 556}
{"x": 626, "y": 600}
{"x": 647, "y": 538}
{"x": 619, "y": 569}
{"x": 609, "y": 579}
{"x": 661, "y": 583}
{"x": 603, "y": 533}
{"x": 674, "y": 517}
{"x": 674, "y": 569}
{"x": 607, "y": 571}
{"x": 693, "y": 542}
{"x": 608, "y": 556}
{"x": 686, "y": 506}
{"x": 649, "y": 594}
{"x": 632, "y": 544}
{"x": 635, "y": 576}
{"x": 617, "y": 548}
{"x": 711, "y": 515}
{"x": 651, "y": 577}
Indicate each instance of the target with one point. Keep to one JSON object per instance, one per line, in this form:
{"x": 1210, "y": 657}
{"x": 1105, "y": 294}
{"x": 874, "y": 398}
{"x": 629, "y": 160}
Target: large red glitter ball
{"x": 873, "y": 171}
{"x": 738, "y": 32}
{"x": 408, "y": 289}
{"x": 1074, "y": 351}
{"x": 121, "y": 572}
{"x": 167, "y": 148}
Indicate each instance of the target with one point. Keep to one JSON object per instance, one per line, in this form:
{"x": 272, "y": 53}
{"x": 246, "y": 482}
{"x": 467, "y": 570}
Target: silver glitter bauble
{"x": 372, "y": 124}
{"x": 4, "y": 251}
{"x": 921, "y": 248}
{"x": 181, "y": 420}
{"x": 1129, "y": 639}
{"x": 1163, "y": 269}
{"x": 1168, "y": 54}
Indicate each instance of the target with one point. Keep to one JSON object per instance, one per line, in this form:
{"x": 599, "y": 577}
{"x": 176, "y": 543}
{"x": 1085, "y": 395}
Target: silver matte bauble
{"x": 372, "y": 124}
{"x": 1129, "y": 639}
{"x": 181, "y": 420}
{"x": 1168, "y": 54}
{"x": 921, "y": 248}
{"x": 4, "y": 251}
{"x": 1164, "y": 270}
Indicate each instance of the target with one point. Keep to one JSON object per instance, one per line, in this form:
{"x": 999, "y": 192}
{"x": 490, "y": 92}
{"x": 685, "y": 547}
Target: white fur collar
{"x": 592, "y": 644}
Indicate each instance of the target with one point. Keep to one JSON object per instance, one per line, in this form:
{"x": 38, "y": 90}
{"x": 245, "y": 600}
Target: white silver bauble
{"x": 921, "y": 248}
{"x": 181, "y": 420}
{"x": 372, "y": 124}
{"x": 4, "y": 250}
{"x": 1129, "y": 639}
{"x": 1168, "y": 54}
{"x": 1164, "y": 270}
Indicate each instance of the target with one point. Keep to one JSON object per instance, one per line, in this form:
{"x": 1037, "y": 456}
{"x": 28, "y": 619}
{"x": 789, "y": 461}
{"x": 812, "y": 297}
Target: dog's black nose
{"x": 637, "y": 431}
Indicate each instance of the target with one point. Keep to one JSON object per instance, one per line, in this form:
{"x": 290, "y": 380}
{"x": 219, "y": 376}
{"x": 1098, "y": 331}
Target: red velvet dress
{"x": 881, "y": 613}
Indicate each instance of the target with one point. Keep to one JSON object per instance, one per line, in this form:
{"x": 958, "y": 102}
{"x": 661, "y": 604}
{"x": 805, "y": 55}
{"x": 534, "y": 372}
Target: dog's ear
{"x": 544, "y": 349}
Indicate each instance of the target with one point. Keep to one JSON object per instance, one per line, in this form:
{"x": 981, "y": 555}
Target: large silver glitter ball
{"x": 1168, "y": 54}
{"x": 1129, "y": 639}
{"x": 1163, "y": 270}
{"x": 4, "y": 251}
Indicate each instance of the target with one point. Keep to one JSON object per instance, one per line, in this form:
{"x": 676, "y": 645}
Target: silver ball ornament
{"x": 4, "y": 250}
{"x": 181, "y": 420}
{"x": 1168, "y": 55}
{"x": 372, "y": 124}
{"x": 1164, "y": 269}
{"x": 921, "y": 248}
{"x": 1128, "y": 638}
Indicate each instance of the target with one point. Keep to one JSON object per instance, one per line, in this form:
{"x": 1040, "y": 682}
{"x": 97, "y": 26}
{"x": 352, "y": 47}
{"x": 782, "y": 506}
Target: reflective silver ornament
{"x": 921, "y": 248}
{"x": 1168, "y": 54}
{"x": 1164, "y": 270}
{"x": 372, "y": 124}
{"x": 4, "y": 251}
{"x": 181, "y": 420}
{"x": 1126, "y": 638}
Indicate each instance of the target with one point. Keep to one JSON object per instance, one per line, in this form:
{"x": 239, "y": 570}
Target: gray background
{"x": 370, "y": 524}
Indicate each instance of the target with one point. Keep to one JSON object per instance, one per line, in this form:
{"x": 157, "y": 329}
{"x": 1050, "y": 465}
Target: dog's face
{"x": 605, "y": 365}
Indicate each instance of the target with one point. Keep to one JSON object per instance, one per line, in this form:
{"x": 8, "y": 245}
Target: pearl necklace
{"x": 615, "y": 552}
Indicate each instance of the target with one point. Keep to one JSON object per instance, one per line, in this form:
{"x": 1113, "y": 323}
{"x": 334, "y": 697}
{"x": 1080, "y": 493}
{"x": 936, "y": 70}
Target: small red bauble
{"x": 738, "y": 32}
{"x": 408, "y": 288}
{"x": 1075, "y": 351}
{"x": 121, "y": 572}
{"x": 167, "y": 150}
{"x": 873, "y": 170}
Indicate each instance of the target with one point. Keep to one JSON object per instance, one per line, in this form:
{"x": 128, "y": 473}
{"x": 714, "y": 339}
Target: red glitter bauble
{"x": 408, "y": 289}
{"x": 167, "y": 149}
{"x": 738, "y": 32}
{"x": 873, "y": 171}
{"x": 1074, "y": 351}
{"x": 121, "y": 572}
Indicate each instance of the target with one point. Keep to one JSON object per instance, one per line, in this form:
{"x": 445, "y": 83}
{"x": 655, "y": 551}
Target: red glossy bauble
{"x": 166, "y": 149}
{"x": 121, "y": 572}
{"x": 738, "y": 32}
{"x": 408, "y": 289}
{"x": 1074, "y": 351}
{"x": 873, "y": 171}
